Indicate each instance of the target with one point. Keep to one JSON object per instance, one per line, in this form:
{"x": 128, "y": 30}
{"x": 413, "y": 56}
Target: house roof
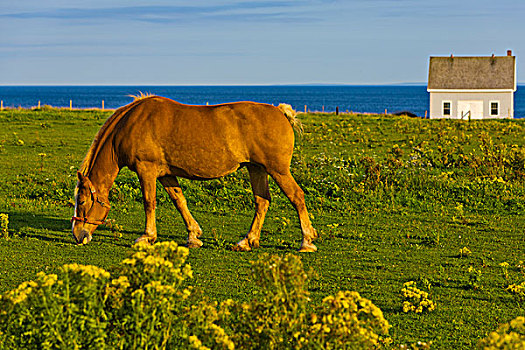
{"x": 472, "y": 73}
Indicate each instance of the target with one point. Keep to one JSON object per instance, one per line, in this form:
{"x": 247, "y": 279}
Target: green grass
{"x": 394, "y": 200}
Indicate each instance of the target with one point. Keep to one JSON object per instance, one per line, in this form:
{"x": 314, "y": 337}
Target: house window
{"x": 446, "y": 108}
{"x": 494, "y": 108}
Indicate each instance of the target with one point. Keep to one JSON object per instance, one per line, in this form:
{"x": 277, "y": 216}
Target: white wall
{"x": 506, "y": 103}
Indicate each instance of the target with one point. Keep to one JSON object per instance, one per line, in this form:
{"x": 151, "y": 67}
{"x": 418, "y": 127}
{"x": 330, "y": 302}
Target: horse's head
{"x": 90, "y": 210}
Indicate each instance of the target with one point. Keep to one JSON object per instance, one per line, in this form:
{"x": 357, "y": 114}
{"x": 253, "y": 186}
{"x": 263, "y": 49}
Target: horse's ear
{"x": 81, "y": 177}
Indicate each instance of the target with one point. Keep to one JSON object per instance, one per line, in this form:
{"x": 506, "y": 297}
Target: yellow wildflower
{"x": 187, "y": 271}
{"x": 86, "y": 270}
{"x": 46, "y": 280}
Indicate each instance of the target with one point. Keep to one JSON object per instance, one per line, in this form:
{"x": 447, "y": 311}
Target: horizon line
{"x": 225, "y": 85}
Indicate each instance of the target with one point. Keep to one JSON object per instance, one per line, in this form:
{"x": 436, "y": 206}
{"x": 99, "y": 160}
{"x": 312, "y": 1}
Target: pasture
{"x": 394, "y": 200}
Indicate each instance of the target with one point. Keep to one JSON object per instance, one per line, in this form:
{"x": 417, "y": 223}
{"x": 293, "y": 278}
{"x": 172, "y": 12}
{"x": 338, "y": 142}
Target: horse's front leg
{"x": 148, "y": 178}
{"x": 172, "y": 187}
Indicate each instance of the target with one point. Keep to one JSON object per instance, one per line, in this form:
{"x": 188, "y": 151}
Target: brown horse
{"x": 162, "y": 139}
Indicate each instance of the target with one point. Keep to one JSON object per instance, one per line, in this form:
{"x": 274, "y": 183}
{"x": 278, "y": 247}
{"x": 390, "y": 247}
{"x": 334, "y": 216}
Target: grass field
{"x": 394, "y": 200}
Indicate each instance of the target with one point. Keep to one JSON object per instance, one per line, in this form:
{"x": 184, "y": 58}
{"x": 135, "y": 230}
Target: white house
{"x": 472, "y": 87}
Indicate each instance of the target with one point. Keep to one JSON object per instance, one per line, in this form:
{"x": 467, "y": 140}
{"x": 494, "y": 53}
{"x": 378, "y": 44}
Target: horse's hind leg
{"x": 296, "y": 195}
{"x": 261, "y": 193}
{"x": 171, "y": 185}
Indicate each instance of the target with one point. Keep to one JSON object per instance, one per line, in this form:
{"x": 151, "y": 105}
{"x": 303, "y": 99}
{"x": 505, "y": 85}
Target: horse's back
{"x": 205, "y": 141}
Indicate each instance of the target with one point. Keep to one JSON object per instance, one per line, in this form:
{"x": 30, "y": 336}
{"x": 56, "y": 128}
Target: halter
{"x": 95, "y": 199}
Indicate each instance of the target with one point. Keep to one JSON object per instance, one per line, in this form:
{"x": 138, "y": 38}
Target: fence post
{"x": 38, "y": 104}
{"x": 426, "y": 114}
{"x": 337, "y": 110}
{"x": 70, "y": 104}
{"x": 385, "y": 111}
{"x": 102, "y": 104}
{"x": 2, "y": 105}
{"x": 304, "y": 108}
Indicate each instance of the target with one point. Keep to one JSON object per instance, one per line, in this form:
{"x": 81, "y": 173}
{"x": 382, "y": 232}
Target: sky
{"x": 229, "y": 42}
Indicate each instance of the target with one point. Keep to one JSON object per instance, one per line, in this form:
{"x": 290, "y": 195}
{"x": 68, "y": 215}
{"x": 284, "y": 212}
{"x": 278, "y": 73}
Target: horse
{"x": 160, "y": 139}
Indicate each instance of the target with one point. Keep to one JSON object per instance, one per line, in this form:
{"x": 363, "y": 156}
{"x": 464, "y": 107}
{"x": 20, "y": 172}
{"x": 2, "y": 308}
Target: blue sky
{"x": 111, "y": 42}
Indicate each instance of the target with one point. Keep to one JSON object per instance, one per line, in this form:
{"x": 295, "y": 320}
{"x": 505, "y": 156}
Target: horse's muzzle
{"x": 84, "y": 237}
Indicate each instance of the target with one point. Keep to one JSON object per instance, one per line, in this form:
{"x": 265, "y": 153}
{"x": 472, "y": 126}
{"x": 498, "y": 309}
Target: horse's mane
{"x": 105, "y": 131}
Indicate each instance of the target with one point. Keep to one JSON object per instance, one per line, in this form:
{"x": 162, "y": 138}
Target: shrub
{"x": 508, "y": 336}
{"x": 147, "y": 305}
{"x": 52, "y": 313}
{"x": 278, "y": 316}
{"x": 347, "y": 320}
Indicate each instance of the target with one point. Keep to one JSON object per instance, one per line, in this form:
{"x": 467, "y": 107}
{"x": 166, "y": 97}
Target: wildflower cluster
{"x": 278, "y": 316}
{"x": 474, "y": 278}
{"x": 416, "y": 300}
{"x": 64, "y": 309}
{"x": 4, "y": 225}
{"x": 508, "y": 336}
{"x": 464, "y": 252}
{"x": 347, "y": 316}
{"x": 147, "y": 303}
{"x": 517, "y": 289}
{"x": 85, "y": 270}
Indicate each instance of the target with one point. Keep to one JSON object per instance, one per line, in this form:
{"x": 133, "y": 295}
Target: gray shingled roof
{"x": 472, "y": 72}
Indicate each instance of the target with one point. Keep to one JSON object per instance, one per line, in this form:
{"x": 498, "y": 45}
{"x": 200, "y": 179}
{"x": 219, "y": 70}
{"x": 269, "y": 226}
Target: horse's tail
{"x": 291, "y": 115}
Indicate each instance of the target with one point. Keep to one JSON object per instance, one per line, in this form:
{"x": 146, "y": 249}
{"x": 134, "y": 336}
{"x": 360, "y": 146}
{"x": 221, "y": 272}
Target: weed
{"x": 116, "y": 229}
{"x": 282, "y": 224}
{"x": 474, "y": 278}
{"x": 42, "y": 156}
{"x": 219, "y": 241}
{"x": 4, "y": 225}
{"x": 420, "y": 345}
{"x": 464, "y": 252}
{"x": 17, "y": 140}
{"x": 505, "y": 269}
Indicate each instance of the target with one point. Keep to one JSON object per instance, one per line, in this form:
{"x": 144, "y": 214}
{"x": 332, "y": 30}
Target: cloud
{"x": 236, "y": 11}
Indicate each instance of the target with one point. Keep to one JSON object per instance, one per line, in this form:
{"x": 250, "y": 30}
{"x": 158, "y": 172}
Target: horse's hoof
{"x": 242, "y": 246}
{"x": 194, "y": 243}
{"x": 146, "y": 239}
{"x": 307, "y": 248}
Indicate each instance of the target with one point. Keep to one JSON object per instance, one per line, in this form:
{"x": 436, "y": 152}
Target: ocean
{"x": 364, "y": 99}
